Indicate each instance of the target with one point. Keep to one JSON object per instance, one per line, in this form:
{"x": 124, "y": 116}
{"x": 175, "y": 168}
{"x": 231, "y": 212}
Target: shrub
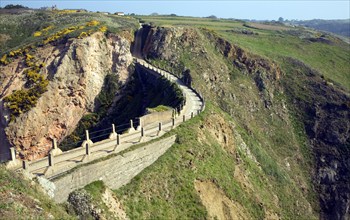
{"x": 37, "y": 34}
{"x": 23, "y": 100}
{"x": 103, "y": 29}
{"x": 4, "y": 60}
{"x": 82, "y": 35}
{"x": 92, "y": 23}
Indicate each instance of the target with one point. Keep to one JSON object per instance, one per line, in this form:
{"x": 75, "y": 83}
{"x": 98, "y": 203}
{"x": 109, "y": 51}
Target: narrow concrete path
{"x": 59, "y": 164}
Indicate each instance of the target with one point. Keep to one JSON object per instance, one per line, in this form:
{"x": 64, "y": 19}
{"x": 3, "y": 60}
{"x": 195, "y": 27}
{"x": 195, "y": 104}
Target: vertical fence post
{"x": 51, "y": 159}
{"x": 191, "y": 114}
{"x": 25, "y": 165}
{"x": 183, "y": 118}
{"x": 13, "y": 154}
{"x": 141, "y": 122}
{"x": 118, "y": 139}
{"x": 87, "y": 149}
{"x": 160, "y": 126}
{"x": 113, "y": 128}
{"x": 87, "y": 135}
{"x": 142, "y": 132}
{"x": 131, "y": 124}
{"x": 173, "y": 121}
{"x": 54, "y": 143}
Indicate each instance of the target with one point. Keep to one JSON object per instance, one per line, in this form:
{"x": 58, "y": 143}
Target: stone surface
{"x": 114, "y": 172}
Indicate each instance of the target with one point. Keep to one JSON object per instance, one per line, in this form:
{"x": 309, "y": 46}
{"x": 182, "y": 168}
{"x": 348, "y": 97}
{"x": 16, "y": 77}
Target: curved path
{"x": 57, "y": 163}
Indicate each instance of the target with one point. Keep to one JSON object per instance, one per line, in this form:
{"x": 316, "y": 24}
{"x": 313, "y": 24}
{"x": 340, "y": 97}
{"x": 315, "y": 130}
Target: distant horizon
{"x": 242, "y": 10}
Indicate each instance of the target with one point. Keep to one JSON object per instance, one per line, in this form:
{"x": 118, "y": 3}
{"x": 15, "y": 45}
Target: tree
{"x": 212, "y": 16}
{"x": 11, "y": 6}
{"x": 280, "y": 19}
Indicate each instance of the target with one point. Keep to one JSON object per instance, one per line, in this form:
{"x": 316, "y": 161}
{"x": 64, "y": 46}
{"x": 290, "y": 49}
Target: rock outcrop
{"x": 76, "y": 73}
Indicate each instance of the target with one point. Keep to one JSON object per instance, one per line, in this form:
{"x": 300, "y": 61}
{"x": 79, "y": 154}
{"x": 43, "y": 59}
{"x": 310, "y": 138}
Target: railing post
{"x": 87, "y": 149}
{"x": 183, "y": 118}
{"x": 173, "y": 121}
{"x": 113, "y": 135}
{"x": 142, "y": 132}
{"x": 191, "y": 114}
{"x": 198, "y": 112}
{"x": 131, "y": 124}
{"x": 113, "y": 129}
{"x": 160, "y": 126}
{"x": 13, "y": 154}
{"x": 51, "y": 159}
{"x": 54, "y": 143}
{"x": 87, "y": 135}
{"x": 25, "y": 165}
{"x": 141, "y": 122}
{"x": 118, "y": 139}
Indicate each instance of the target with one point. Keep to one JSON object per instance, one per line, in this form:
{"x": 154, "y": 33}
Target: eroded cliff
{"x": 299, "y": 118}
{"x": 76, "y": 71}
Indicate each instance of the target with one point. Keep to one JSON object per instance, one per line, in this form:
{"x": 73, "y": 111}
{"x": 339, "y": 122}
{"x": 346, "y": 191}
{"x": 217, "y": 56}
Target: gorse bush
{"x": 21, "y": 101}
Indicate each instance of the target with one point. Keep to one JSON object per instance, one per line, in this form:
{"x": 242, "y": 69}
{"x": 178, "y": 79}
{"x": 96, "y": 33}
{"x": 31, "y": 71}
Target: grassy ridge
{"x": 18, "y": 30}
{"x": 331, "y": 60}
{"x": 275, "y": 136}
{"x": 166, "y": 189}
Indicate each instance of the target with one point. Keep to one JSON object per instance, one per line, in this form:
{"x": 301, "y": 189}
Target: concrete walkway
{"x": 53, "y": 166}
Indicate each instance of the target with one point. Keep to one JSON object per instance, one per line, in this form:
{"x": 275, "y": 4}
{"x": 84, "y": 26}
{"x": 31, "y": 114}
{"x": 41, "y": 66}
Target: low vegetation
{"x": 23, "y": 100}
{"x": 23, "y": 198}
{"x": 159, "y": 108}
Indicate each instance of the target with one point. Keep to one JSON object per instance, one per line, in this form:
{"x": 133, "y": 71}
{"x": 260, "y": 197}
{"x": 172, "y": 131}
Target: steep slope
{"x": 72, "y": 70}
{"x": 273, "y": 142}
{"x": 23, "y": 198}
{"x": 258, "y": 94}
{"x": 76, "y": 73}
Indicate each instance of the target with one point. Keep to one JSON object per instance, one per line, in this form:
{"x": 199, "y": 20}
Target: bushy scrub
{"x": 23, "y": 100}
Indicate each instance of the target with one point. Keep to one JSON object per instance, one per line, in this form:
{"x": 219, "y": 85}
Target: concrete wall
{"x": 156, "y": 117}
{"x": 114, "y": 172}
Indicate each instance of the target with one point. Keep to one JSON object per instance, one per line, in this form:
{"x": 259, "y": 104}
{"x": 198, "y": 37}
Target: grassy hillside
{"x": 211, "y": 149}
{"x": 250, "y": 154}
{"x": 22, "y": 198}
{"x": 259, "y": 87}
{"x": 330, "y": 58}
{"x": 33, "y": 27}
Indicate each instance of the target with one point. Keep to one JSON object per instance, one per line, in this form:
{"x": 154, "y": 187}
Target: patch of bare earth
{"x": 114, "y": 205}
{"x": 268, "y": 27}
{"x": 218, "y": 205}
{"x": 221, "y": 131}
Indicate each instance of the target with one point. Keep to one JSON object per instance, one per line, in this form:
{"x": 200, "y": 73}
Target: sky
{"x": 249, "y": 9}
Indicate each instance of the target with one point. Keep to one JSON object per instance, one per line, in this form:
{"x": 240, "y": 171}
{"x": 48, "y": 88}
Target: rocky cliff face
{"x": 76, "y": 72}
{"x": 325, "y": 114}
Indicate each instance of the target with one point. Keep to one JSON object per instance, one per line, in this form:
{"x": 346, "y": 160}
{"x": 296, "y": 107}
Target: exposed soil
{"x": 218, "y": 205}
{"x": 114, "y": 205}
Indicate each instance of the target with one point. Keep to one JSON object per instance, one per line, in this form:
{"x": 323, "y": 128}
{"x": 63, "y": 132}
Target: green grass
{"x": 159, "y": 108}
{"x": 166, "y": 189}
{"x": 20, "y": 28}
{"x": 331, "y": 60}
{"x": 21, "y": 197}
{"x": 272, "y": 134}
